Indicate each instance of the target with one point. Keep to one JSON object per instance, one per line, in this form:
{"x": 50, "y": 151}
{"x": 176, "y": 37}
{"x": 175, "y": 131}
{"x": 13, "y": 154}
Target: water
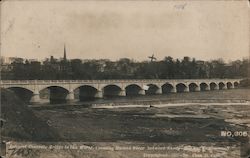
{"x": 222, "y": 96}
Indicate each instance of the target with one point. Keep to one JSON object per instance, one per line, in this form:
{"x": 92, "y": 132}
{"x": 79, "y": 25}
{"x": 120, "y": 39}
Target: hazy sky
{"x": 132, "y": 29}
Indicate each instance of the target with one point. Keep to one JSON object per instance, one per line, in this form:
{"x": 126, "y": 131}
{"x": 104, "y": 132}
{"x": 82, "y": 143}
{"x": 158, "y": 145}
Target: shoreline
{"x": 166, "y": 105}
{"x": 149, "y": 103}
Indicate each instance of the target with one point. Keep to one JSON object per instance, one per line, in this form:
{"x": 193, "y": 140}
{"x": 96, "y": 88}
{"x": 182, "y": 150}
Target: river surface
{"x": 149, "y": 118}
{"x": 221, "y": 96}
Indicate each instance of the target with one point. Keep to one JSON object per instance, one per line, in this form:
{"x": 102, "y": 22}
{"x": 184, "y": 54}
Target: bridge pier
{"x": 232, "y": 87}
{"x": 99, "y": 94}
{"x": 174, "y": 90}
{"x": 158, "y": 91}
{"x": 224, "y": 88}
{"x": 35, "y": 98}
{"x": 197, "y": 89}
{"x": 216, "y": 87}
{"x": 71, "y": 97}
{"x": 122, "y": 93}
{"x": 142, "y": 92}
{"x": 186, "y": 89}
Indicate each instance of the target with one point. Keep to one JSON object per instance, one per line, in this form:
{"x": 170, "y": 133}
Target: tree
{"x": 168, "y": 68}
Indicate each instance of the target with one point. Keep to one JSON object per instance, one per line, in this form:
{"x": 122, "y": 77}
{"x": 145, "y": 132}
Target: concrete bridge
{"x": 73, "y": 90}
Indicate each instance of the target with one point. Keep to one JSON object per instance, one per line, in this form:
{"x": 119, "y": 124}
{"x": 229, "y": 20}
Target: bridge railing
{"x": 109, "y": 81}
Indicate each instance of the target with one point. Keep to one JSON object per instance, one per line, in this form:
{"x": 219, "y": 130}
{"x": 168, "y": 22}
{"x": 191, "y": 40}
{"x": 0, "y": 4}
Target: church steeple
{"x": 64, "y": 55}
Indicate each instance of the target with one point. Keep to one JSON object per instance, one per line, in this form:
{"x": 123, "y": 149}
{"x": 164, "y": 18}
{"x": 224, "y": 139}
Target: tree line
{"x": 168, "y": 68}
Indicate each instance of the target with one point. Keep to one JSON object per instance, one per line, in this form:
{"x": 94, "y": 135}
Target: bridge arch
{"x": 236, "y": 84}
{"x": 133, "y": 90}
{"x": 193, "y": 87}
{"x": 181, "y": 87}
{"x": 222, "y": 85}
{"x": 204, "y": 86}
{"x": 213, "y": 86}
{"x": 55, "y": 94}
{"x": 85, "y": 92}
{"x": 152, "y": 89}
{"x": 111, "y": 90}
{"x": 167, "y": 88}
{"x": 29, "y": 88}
{"x": 229, "y": 85}
{"x": 22, "y": 93}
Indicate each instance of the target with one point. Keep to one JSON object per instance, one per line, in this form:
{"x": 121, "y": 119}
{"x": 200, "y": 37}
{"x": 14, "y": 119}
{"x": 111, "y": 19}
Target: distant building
{"x": 64, "y": 64}
{"x": 6, "y": 64}
{"x": 4, "y": 60}
{"x": 200, "y": 62}
{"x": 33, "y": 60}
{"x": 64, "y": 54}
{"x": 203, "y": 68}
{"x": 57, "y": 64}
{"x": 6, "y": 67}
{"x": 9, "y": 60}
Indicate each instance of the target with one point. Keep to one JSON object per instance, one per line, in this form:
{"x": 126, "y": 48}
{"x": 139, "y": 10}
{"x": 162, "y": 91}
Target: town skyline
{"x": 146, "y": 58}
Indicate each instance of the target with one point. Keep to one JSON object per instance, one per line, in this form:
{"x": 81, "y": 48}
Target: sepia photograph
{"x": 125, "y": 78}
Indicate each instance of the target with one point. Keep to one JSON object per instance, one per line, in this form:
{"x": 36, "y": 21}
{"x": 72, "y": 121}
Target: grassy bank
{"x": 21, "y": 123}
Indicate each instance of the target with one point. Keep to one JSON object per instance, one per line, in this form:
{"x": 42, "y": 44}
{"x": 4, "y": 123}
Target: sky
{"x": 125, "y": 29}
